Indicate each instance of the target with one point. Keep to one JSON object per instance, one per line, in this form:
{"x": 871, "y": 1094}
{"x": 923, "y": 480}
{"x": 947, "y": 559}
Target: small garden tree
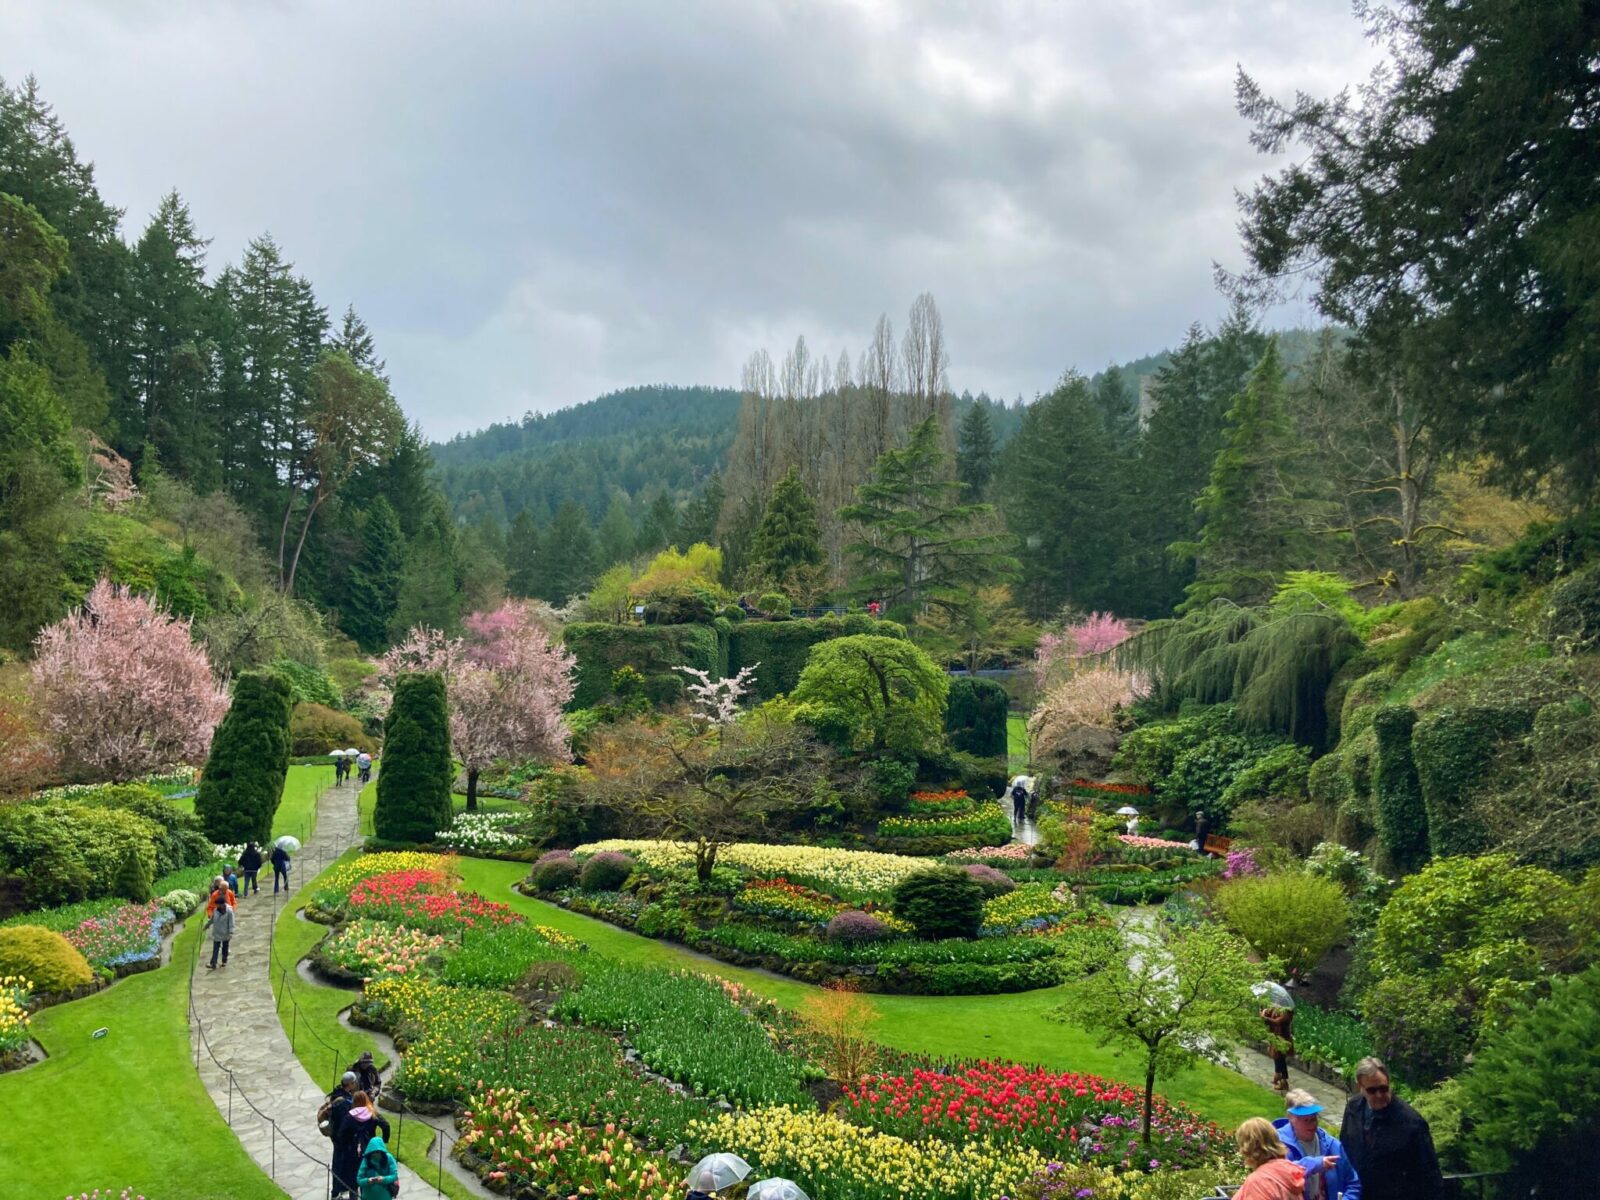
{"x": 243, "y": 779}
{"x": 120, "y": 689}
{"x": 1171, "y": 990}
{"x": 874, "y": 693}
{"x": 1292, "y": 916}
{"x": 709, "y": 788}
{"x": 414, "y": 785}
{"x": 1076, "y": 720}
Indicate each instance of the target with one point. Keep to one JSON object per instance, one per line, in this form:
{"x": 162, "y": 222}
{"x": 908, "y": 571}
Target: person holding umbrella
{"x": 1132, "y": 813}
{"x": 280, "y": 865}
{"x": 1279, "y": 1017}
{"x": 713, "y": 1173}
{"x": 776, "y": 1189}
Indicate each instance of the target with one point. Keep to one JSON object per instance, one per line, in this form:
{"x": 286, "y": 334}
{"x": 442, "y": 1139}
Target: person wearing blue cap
{"x": 1329, "y": 1172}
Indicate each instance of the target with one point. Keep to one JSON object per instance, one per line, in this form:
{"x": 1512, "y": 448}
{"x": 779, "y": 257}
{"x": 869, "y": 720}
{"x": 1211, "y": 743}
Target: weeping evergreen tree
{"x": 1274, "y": 662}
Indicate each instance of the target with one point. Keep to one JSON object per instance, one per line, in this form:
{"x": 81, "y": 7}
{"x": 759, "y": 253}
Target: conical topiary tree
{"x": 243, "y": 780}
{"x": 133, "y": 877}
{"x": 414, "y": 785}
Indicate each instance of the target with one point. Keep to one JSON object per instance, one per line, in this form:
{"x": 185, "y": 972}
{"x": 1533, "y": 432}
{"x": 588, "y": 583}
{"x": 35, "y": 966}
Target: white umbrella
{"x": 716, "y": 1171}
{"x": 1127, "y": 810}
{"x": 353, "y": 752}
{"x": 337, "y": 753}
{"x": 1275, "y": 994}
{"x": 777, "y": 1189}
{"x": 288, "y": 843}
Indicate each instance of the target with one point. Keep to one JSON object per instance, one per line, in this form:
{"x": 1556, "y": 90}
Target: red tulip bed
{"x": 1062, "y": 1114}
{"x": 414, "y": 897}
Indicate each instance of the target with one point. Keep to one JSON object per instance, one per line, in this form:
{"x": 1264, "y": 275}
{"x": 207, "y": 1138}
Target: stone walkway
{"x": 260, "y": 1087}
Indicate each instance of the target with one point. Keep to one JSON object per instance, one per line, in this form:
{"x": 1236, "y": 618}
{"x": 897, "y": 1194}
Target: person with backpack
{"x": 280, "y": 868}
{"x": 361, "y": 1121}
{"x": 330, "y": 1118}
{"x": 378, "y": 1176}
{"x": 366, "y": 1072}
{"x": 221, "y": 921}
{"x": 250, "y": 864}
{"x": 341, "y": 768}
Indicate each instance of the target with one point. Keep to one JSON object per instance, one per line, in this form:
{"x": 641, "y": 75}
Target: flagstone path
{"x": 241, "y": 1051}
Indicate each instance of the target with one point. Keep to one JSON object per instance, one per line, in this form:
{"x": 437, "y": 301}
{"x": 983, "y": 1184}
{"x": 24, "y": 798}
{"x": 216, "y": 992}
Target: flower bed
{"x": 15, "y": 994}
{"x": 484, "y": 832}
{"x": 1013, "y": 854}
{"x": 1029, "y": 909}
{"x": 443, "y": 1031}
{"x": 1089, "y": 787}
{"x": 851, "y": 875}
{"x": 989, "y": 824}
{"x": 939, "y": 804}
{"x": 786, "y": 901}
{"x": 338, "y": 881}
{"x": 500, "y": 958}
{"x": 368, "y": 949}
{"x": 416, "y": 897}
{"x": 516, "y": 1149}
{"x": 834, "y": 1160}
{"x": 124, "y": 938}
{"x": 1139, "y": 842}
{"x": 1062, "y": 1115}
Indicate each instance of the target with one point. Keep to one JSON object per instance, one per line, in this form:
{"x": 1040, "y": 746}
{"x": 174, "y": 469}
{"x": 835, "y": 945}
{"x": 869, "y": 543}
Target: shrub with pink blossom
{"x": 855, "y": 926}
{"x": 993, "y": 882}
{"x": 1242, "y": 863}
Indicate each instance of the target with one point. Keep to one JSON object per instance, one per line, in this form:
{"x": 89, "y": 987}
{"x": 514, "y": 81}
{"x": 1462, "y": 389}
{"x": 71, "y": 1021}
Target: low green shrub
{"x": 44, "y": 957}
{"x": 1293, "y": 917}
{"x": 944, "y": 902}
{"x": 317, "y": 729}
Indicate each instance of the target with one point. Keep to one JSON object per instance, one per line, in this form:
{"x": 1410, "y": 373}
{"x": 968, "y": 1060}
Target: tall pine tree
{"x": 975, "y": 450}
{"x": 787, "y": 551}
{"x": 430, "y": 586}
{"x": 616, "y": 536}
{"x": 375, "y": 579}
{"x": 568, "y": 555}
{"x": 1256, "y": 510}
{"x": 522, "y": 556}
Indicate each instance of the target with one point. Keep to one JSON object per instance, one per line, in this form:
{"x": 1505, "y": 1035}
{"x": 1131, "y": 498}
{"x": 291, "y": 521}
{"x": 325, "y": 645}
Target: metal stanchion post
{"x": 230, "y": 1099}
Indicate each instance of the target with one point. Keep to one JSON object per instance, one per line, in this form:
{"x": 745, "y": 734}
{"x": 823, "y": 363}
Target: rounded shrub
{"x": 181, "y": 901}
{"x": 553, "y": 871}
{"x": 606, "y": 872}
{"x": 945, "y": 902}
{"x": 44, "y": 957}
{"x": 775, "y": 604}
{"x": 317, "y": 729}
{"x": 992, "y": 881}
{"x": 852, "y": 926}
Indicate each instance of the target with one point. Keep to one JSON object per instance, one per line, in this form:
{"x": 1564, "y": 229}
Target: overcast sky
{"x": 535, "y": 203}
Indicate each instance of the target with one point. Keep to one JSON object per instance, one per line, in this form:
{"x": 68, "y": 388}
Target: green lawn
{"x": 297, "y": 810}
{"x": 1017, "y": 742}
{"x": 1008, "y": 1026}
{"x": 153, "y": 1127}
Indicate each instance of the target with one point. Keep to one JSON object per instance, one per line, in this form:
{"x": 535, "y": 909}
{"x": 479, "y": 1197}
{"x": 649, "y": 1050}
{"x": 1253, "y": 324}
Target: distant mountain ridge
{"x": 652, "y": 440}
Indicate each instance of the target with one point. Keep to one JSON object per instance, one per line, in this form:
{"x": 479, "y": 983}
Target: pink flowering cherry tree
{"x": 121, "y": 689}
{"x": 507, "y": 684}
{"x": 1059, "y": 654}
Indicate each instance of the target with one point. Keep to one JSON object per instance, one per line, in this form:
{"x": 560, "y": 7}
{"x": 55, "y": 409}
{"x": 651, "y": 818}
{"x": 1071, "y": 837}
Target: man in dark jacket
{"x": 1388, "y": 1141}
{"x": 249, "y": 864}
{"x": 345, "y": 1165}
{"x": 280, "y": 868}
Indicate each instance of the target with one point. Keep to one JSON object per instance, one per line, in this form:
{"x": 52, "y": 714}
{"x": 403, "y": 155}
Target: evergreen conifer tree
{"x": 375, "y": 581}
{"x": 568, "y": 555}
{"x": 788, "y": 543}
{"x": 616, "y": 536}
{"x": 133, "y": 877}
{"x": 975, "y": 451}
{"x": 1255, "y": 508}
{"x": 414, "y": 784}
{"x": 430, "y": 585}
{"x": 243, "y": 779}
{"x": 1118, "y": 405}
{"x": 522, "y": 556}
{"x": 698, "y": 521}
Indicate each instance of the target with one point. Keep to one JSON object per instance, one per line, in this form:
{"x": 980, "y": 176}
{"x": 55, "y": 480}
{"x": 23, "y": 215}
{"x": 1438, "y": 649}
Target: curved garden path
{"x": 241, "y": 1051}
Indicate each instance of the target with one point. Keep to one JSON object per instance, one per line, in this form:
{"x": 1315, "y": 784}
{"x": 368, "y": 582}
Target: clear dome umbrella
{"x": 717, "y": 1171}
{"x": 777, "y": 1189}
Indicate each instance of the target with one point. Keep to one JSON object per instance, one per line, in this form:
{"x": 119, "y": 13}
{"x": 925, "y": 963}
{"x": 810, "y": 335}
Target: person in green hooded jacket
{"x": 379, "y": 1173}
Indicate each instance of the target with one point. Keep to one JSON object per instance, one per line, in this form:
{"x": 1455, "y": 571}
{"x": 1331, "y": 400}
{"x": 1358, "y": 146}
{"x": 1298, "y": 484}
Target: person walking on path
{"x": 1280, "y": 1039}
{"x": 221, "y": 896}
{"x": 378, "y": 1176}
{"x": 221, "y": 922}
{"x": 1329, "y": 1175}
{"x": 250, "y": 864}
{"x": 1387, "y": 1140}
{"x": 330, "y": 1120}
{"x": 338, "y": 770}
{"x": 365, "y": 765}
{"x": 280, "y": 868}
{"x": 1272, "y": 1176}
{"x": 366, "y": 1073}
{"x": 360, "y": 1122}
{"x": 1019, "y": 801}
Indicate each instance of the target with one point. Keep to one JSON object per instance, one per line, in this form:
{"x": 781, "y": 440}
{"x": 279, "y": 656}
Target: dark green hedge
{"x": 1402, "y": 816}
{"x": 1453, "y": 748}
{"x": 652, "y": 650}
{"x": 782, "y": 647}
{"x": 975, "y": 716}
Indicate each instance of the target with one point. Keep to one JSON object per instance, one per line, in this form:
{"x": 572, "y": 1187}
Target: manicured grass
{"x": 1016, "y": 742}
{"x": 297, "y": 809}
{"x": 152, "y": 1128}
{"x": 1008, "y": 1026}
{"x": 310, "y": 1012}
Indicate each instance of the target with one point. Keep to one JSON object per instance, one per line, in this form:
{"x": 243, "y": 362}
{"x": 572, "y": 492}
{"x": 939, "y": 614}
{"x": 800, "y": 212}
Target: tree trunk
{"x": 1149, "y": 1096}
{"x": 472, "y": 789}
{"x": 294, "y": 565}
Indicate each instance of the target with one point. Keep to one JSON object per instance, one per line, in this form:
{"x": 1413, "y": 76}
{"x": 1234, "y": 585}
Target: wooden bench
{"x": 1216, "y": 845}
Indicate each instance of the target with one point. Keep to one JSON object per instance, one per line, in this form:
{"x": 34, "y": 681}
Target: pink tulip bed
{"x": 125, "y": 936}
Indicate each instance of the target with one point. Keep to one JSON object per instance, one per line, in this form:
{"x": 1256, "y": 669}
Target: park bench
{"x": 1216, "y": 845}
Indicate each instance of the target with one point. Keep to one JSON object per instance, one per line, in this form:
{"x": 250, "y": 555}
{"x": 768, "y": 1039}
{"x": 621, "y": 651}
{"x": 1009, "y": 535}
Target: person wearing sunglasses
{"x": 1387, "y": 1141}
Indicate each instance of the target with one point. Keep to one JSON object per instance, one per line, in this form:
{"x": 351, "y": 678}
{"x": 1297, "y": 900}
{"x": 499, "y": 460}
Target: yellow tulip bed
{"x": 853, "y": 875}
{"x": 15, "y": 992}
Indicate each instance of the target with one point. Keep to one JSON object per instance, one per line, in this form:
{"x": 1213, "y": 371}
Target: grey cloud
{"x": 532, "y": 204}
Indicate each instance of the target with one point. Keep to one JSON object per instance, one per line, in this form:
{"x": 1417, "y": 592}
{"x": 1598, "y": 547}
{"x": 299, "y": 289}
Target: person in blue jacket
{"x": 1330, "y": 1175}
